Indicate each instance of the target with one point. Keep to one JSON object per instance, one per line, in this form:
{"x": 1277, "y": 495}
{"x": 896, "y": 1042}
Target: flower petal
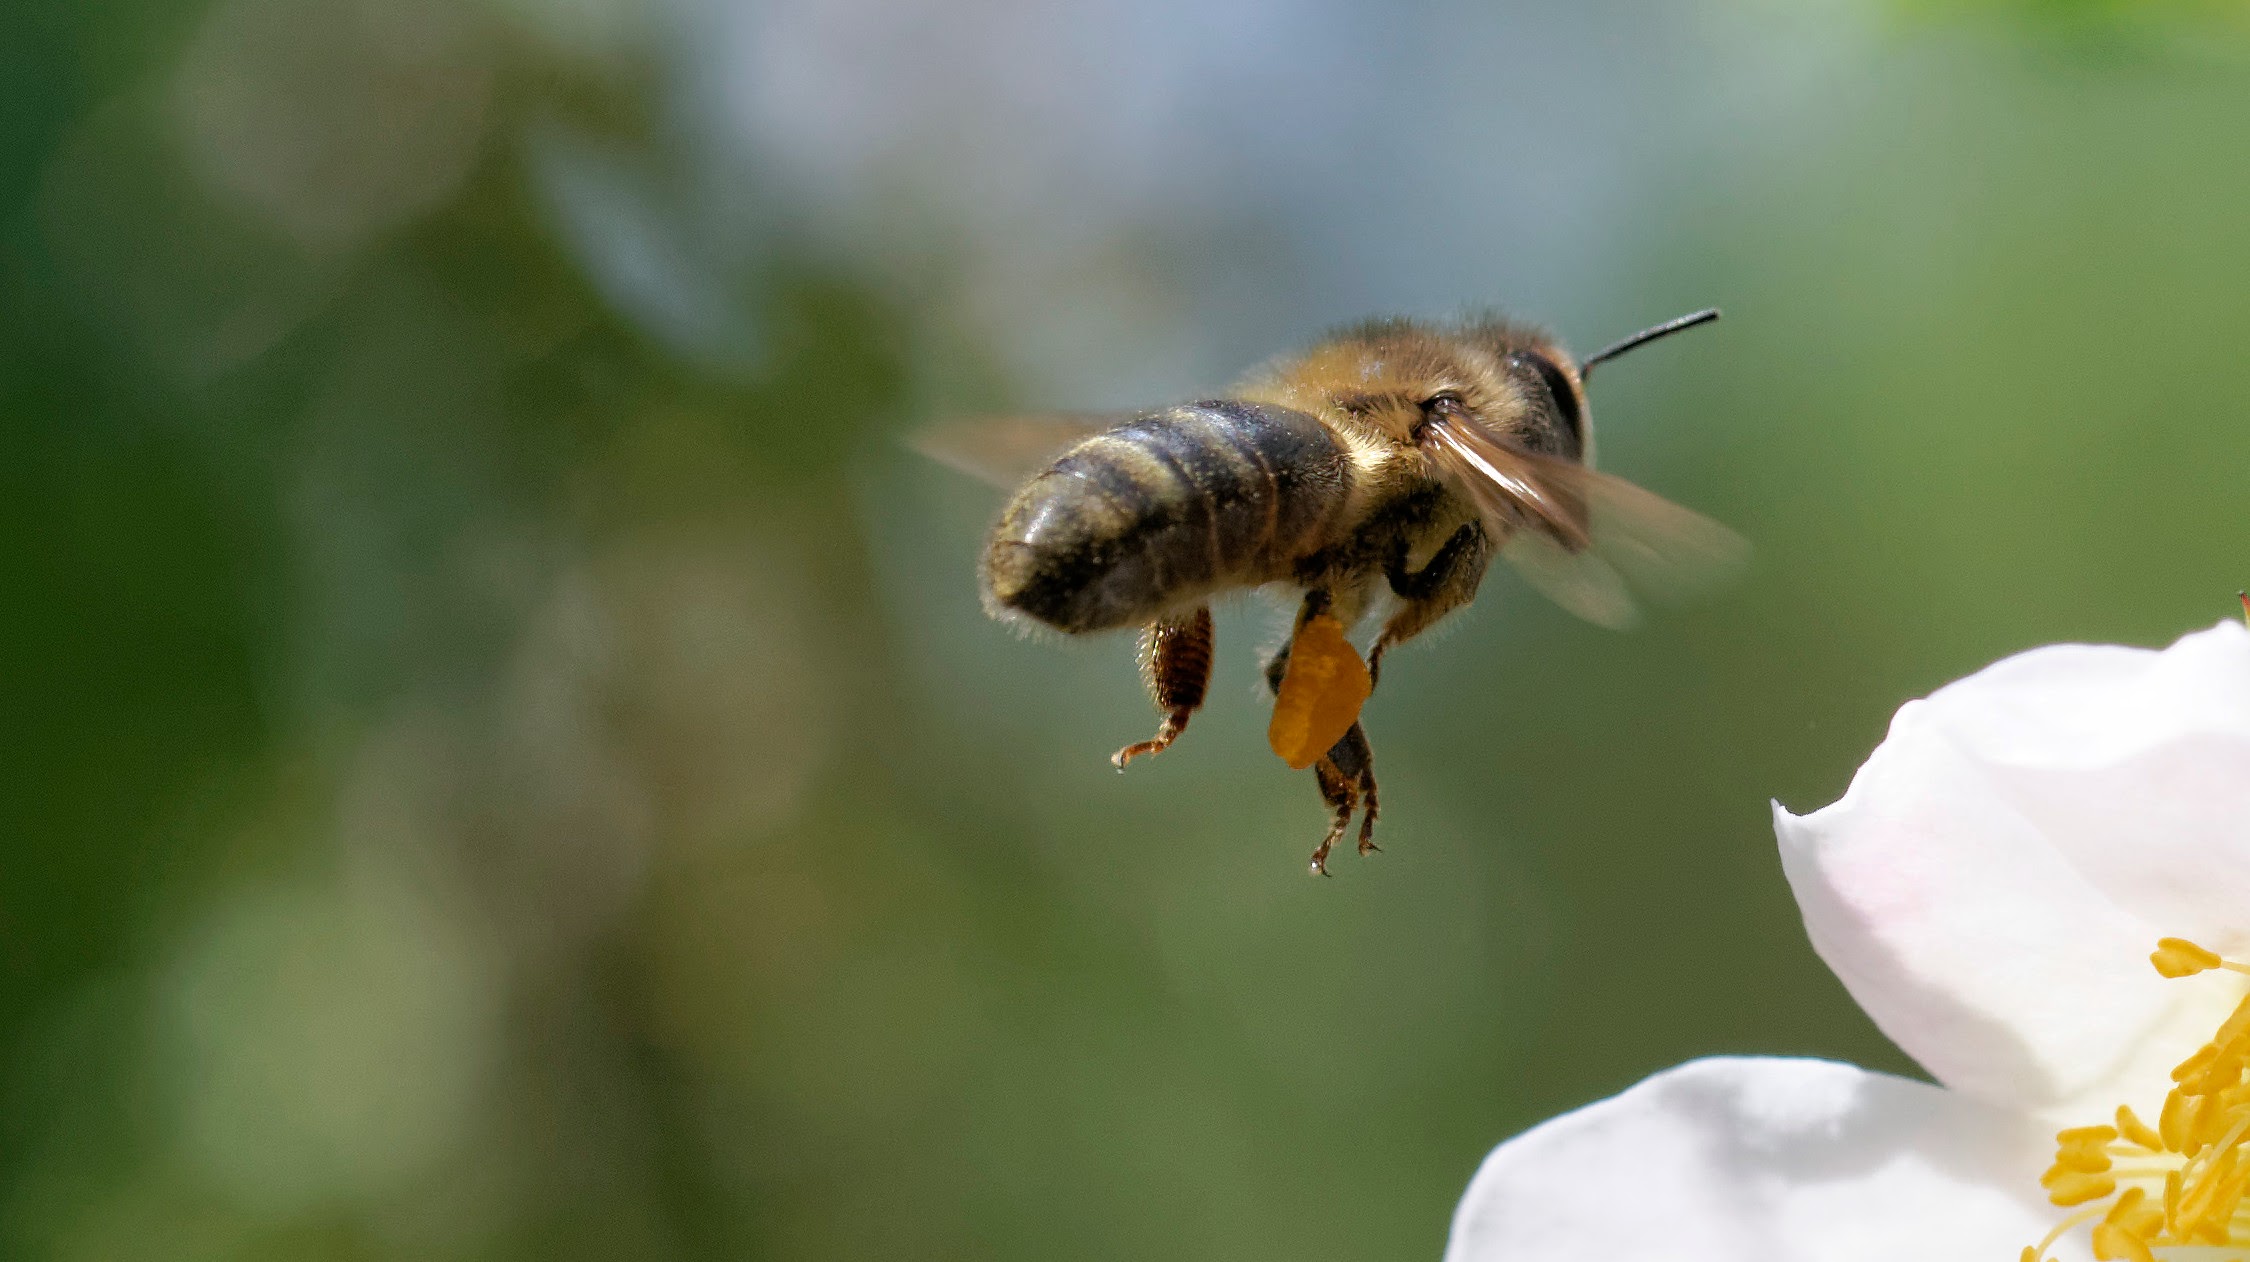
{"x": 1745, "y": 1159}
{"x": 1990, "y": 886}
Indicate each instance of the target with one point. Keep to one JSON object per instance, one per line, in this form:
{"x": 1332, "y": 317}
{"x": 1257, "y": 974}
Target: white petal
{"x": 1990, "y": 886}
{"x": 1753, "y": 1159}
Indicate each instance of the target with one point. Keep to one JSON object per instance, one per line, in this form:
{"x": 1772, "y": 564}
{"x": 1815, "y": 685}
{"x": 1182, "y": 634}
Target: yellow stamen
{"x": 2236, "y": 1024}
{"x": 2198, "y": 1200}
{"x": 2073, "y": 1188}
{"x": 2178, "y": 957}
{"x": 2132, "y": 1210}
{"x": 2084, "y": 1149}
{"x": 2223, "y": 1205}
{"x": 2130, "y": 1125}
{"x": 2186, "y": 1180}
{"x": 2193, "y": 1065}
{"x": 2175, "y": 1119}
{"x": 2115, "y": 1244}
{"x": 2125, "y": 1230}
{"x": 2226, "y": 1146}
{"x": 2062, "y": 1229}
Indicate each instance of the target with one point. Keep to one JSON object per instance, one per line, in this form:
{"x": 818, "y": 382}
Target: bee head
{"x": 1554, "y": 418}
{"x": 1385, "y": 381}
{"x": 1523, "y": 386}
{"x": 1388, "y": 379}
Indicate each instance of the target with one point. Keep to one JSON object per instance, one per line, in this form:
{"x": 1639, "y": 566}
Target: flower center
{"x": 2184, "y": 1179}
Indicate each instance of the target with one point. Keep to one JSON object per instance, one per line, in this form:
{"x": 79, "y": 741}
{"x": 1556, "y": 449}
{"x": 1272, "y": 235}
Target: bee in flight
{"x": 1376, "y": 474}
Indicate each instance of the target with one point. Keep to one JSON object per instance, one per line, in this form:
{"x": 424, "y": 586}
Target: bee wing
{"x": 1006, "y": 450}
{"x": 1590, "y": 542}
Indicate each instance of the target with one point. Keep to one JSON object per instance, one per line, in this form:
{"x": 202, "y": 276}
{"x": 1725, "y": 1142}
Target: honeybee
{"x": 1378, "y": 472}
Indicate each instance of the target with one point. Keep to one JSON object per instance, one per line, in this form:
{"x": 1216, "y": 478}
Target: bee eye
{"x": 1559, "y": 389}
{"x": 1443, "y": 405}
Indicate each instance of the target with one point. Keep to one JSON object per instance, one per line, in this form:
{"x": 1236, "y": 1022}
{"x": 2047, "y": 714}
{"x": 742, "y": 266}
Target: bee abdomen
{"x": 1162, "y": 511}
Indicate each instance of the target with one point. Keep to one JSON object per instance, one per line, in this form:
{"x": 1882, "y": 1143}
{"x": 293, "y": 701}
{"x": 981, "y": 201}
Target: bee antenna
{"x": 1644, "y": 337}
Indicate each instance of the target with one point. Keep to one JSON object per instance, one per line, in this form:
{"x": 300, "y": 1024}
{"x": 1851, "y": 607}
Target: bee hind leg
{"x": 1341, "y": 792}
{"x": 1346, "y": 773}
{"x": 1354, "y": 759}
{"x": 1176, "y": 664}
{"x": 1347, "y": 783}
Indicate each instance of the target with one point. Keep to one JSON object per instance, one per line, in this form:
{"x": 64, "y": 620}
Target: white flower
{"x": 1989, "y": 890}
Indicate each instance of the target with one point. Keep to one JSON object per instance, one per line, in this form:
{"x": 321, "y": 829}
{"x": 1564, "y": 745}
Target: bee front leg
{"x": 1176, "y": 663}
{"x": 1448, "y": 582}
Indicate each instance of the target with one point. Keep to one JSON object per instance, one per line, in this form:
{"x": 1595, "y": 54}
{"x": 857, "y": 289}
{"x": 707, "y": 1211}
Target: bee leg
{"x": 1176, "y": 663}
{"x": 1448, "y": 582}
{"x": 1346, "y": 773}
{"x": 1276, "y": 667}
{"x": 1351, "y": 758}
{"x": 1318, "y": 601}
{"x": 1375, "y": 653}
{"x": 1342, "y": 795}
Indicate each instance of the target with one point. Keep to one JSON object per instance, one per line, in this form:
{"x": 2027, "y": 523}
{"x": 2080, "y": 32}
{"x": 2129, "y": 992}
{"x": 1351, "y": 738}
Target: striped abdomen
{"x": 1164, "y": 510}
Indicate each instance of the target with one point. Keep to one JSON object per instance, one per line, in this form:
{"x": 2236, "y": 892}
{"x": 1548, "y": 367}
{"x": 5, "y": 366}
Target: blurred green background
{"x": 501, "y": 755}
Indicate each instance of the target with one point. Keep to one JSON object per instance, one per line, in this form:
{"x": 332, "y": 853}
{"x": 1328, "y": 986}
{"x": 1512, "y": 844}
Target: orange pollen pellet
{"x": 1321, "y": 693}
